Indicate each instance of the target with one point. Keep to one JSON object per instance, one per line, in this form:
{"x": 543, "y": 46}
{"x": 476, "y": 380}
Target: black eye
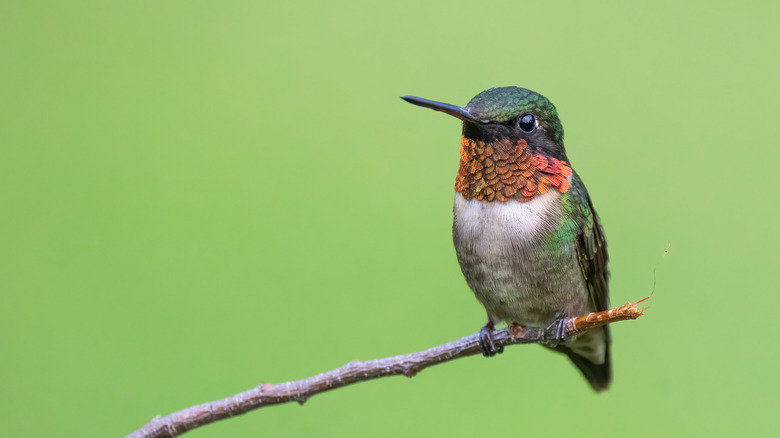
{"x": 527, "y": 123}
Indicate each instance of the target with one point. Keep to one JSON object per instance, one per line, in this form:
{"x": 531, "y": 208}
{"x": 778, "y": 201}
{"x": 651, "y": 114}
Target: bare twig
{"x": 357, "y": 371}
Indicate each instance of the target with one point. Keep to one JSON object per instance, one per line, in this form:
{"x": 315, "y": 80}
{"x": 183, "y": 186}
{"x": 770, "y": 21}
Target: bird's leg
{"x": 486, "y": 340}
{"x": 555, "y": 333}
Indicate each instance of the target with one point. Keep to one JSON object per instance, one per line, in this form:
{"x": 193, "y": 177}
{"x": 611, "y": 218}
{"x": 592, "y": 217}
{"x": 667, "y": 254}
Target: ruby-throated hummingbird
{"x": 527, "y": 237}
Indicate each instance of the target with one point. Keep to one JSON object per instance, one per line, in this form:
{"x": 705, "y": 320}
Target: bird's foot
{"x": 555, "y": 333}
{"x": 486, "y": 344}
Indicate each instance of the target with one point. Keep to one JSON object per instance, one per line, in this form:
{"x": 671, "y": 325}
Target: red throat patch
{"x": 504, "y": 170}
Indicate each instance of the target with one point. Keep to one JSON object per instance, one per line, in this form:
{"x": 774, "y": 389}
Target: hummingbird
{"x": 527, "y": 237}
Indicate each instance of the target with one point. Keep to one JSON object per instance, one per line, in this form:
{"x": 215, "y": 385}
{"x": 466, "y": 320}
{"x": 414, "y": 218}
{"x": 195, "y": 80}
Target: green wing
{"x": 591, "y": 246}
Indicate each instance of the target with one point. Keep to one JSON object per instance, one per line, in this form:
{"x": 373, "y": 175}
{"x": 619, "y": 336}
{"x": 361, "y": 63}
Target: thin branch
{"x": 358, "y": 371}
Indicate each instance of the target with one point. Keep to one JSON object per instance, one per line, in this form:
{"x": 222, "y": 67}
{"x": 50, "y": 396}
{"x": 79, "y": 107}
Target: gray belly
{"x": 515, "y": 261}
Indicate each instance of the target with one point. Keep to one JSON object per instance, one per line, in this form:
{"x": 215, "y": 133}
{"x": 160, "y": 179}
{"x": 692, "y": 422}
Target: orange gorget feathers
{"x": 503, "y": 170}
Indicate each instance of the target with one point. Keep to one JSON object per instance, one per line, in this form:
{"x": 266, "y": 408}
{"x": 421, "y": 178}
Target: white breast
{"x": 490, "y": 223}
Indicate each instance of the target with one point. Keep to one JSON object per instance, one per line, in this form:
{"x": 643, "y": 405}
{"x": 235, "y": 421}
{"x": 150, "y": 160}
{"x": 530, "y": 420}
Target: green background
{"x": 197, "y": 197}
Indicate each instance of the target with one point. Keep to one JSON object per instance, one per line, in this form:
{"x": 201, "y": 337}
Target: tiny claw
{"x": 486, "y": 343}
{"x": 558, "y": 328}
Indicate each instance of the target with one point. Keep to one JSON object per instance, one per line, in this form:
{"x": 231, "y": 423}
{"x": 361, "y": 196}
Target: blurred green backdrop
{"x": 197, "y": 197}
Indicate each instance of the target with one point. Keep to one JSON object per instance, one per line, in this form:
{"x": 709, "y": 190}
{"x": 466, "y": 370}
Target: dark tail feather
{"x": 598, "y": 375}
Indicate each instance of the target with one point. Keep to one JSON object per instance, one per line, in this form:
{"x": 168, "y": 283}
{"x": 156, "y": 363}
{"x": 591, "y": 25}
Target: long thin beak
{"x": 452, "y": 110}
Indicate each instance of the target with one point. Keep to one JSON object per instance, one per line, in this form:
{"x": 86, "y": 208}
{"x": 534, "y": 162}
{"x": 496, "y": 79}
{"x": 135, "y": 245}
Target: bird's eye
{"x": 527, "y": 123}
